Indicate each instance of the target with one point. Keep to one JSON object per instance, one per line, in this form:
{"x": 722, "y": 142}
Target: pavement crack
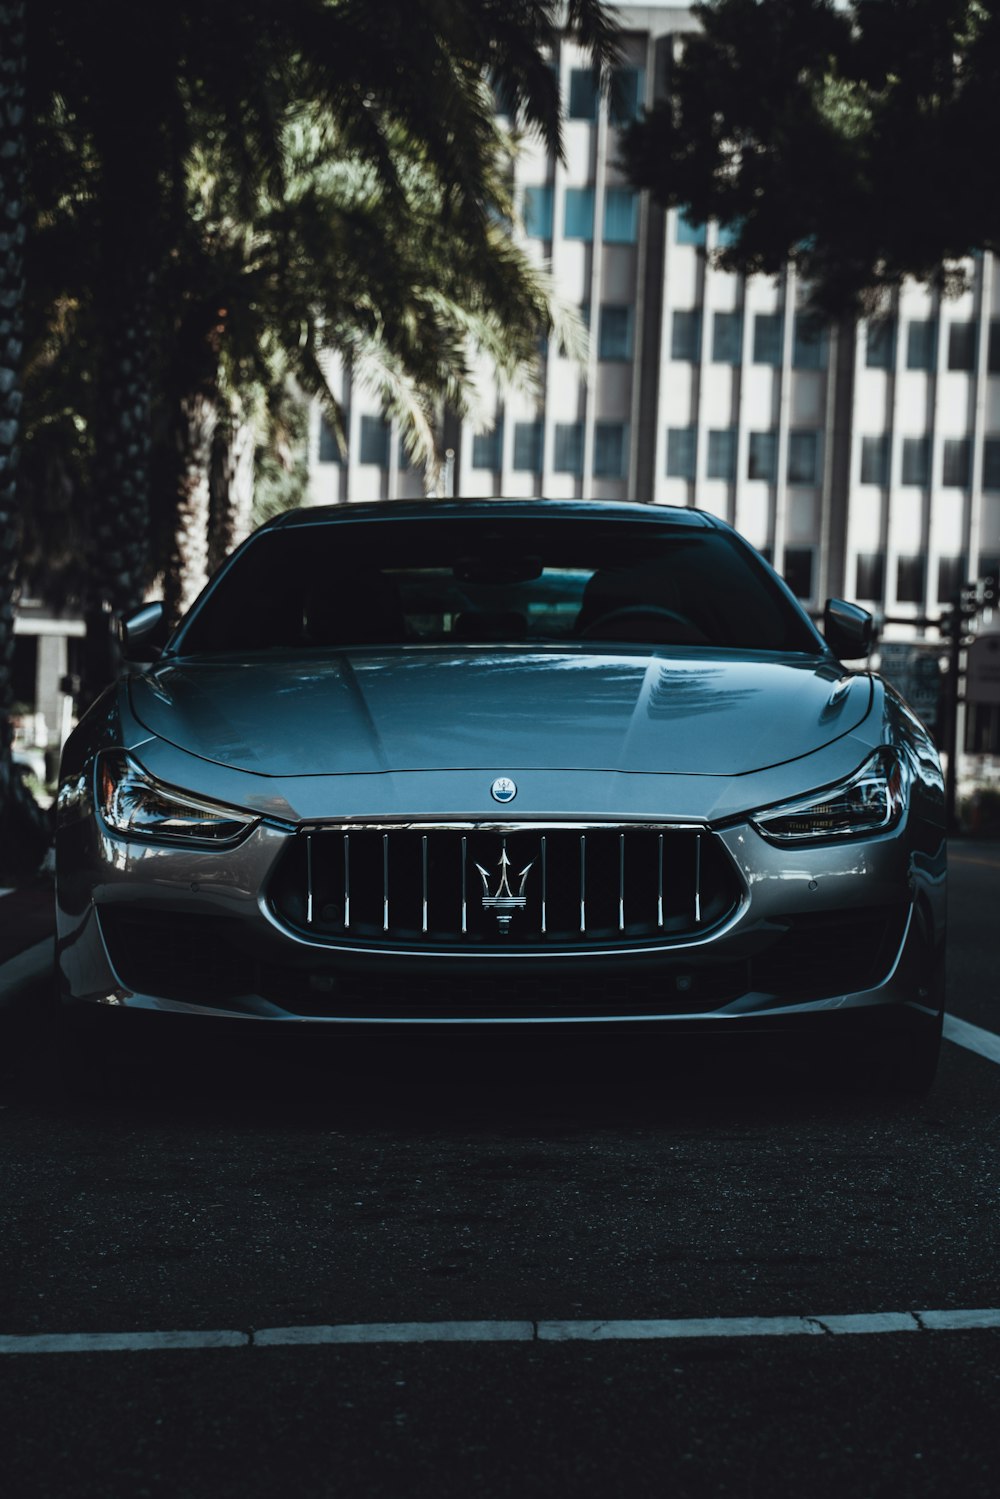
{"x": 921, "y": 1324}
{"x": 818, "y": 1322}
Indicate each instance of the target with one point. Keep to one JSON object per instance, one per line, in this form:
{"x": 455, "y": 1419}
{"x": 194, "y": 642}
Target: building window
{"x": 528, "y": 447}
{"x": 688, "y": 233}
{"x": 880, "y": 345}
{"x": 869, "y": 576}
{"x": 568, "y": 452}
{"x": 962, "y": 346}
{"x": 583, "y": 94}
{"x": 727, "y": 338}
{"x": 910, "y": 580}
{"x": 621, "y": 216}
{"x": 728, "y": 234}
{"x": 626, "y": 95}
{"x": 763, "y": 457}
{"x": 609, "y": 450}
{"x": 579, "y": 213}
{"x": 722, "y": 454}
{"x": 916, "y": 460}
{"x": 685, "y": 335}
{"x": 614, "y": 337}
{"x": 487, "y": 448}
{"x": 809, "y": 343}
{"x": 538, "y": 212}
{"x": 374, "y": 441}
{"x": 875, "y": 460}
{"x": 329, "y": 447}
{"x": 921, "y": 344}
{"x": 951, "y": 576}
{"x": 798, "y": 573}
{"x": 993, "y": 349}
{"x": 957, "y": 455}
{"x": 991, "y": 463}
{"x": 803, "y": 457}
{"x": 767, "y": 338}
{"x": 680, "y": 452}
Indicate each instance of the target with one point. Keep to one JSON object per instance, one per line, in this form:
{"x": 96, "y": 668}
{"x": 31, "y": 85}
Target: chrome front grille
{"x": 499, "y": 885}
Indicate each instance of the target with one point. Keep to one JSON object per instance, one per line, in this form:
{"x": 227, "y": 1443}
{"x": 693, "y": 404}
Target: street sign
{"x": 914, "y": 670}
{"x": 982, "y": 672}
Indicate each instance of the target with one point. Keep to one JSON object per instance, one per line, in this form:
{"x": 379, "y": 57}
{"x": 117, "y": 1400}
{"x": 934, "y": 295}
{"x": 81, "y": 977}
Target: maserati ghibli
{"x": 504, "y": 766}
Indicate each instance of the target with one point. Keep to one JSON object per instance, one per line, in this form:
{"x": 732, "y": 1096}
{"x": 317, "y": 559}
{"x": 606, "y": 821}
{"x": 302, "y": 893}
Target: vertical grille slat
{"x": 395, "y": 885}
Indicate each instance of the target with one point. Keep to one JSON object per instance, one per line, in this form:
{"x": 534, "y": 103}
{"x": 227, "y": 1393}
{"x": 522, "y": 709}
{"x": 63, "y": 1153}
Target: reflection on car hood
{"x": 422, "y": 709}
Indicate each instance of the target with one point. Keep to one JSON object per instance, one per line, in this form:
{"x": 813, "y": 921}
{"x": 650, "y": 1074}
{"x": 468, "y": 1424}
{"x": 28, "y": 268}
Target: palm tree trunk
{"x": 187, "y": 567}
{"x": 232, "y": 485}
{"x": 12, "y": 232}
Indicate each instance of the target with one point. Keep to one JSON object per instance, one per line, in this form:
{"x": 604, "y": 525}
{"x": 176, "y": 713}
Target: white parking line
{"x": 972, "y": 1037}
{"x": 653, "y": 1329}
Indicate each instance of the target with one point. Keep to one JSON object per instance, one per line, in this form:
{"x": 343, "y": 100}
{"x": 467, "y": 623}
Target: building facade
{"x": 864, "y": 460}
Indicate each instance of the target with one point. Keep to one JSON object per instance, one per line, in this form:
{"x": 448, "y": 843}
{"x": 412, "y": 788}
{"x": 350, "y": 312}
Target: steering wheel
{"x": 640, "y": 622}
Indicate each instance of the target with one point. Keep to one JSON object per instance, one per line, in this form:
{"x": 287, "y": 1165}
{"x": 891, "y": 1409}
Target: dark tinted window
{"x": 479, "y": 581}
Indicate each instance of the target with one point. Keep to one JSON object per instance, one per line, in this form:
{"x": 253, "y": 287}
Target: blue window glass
{"x": 727, "y": 337}
{"x": 916, "y": 461}
{"x": 728, "y": 234}
{"x": 621, "y": 216}
{"x": 681, "y": 452}
{"x": 962, "y": 346}
{"x": 991, "y": 463}
{"x": 538, "y": 212}
{"x": 583, "y": 94}
{"x": 609, "y": 450}
{"x": 685, "y": 335}
{"x": 875, "y": 460}
{"x": 722, "y": 454}
{"x": 803, "y": 457}
{"x": 626, "y": 95}
{"x": 528, "y": 447}
{"x": 880, "y": 345}
{"x": 329, "y": 448}
{"x": 762, "y": 462}
{"x": 579, "y": 213}
{"x": 614, "y": 339}
{"x": 809, "y": 342}
{"x": 921, "y": 345}
{"x": 956, "y": 462}
{"x": 767, "y": 333}
{"x": 688, "y": 233}
{"x": 486, "y": 449}
{"x": 568, "y": 448}
{"x": 374, "y": 441}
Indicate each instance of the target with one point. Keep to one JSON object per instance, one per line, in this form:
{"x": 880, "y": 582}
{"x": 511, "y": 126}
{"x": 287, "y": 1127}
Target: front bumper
{"x": 820, "y": 931}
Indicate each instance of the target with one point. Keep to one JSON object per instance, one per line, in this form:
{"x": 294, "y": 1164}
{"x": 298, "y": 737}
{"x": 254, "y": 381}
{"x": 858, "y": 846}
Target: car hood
{"x": 424, "y": 709}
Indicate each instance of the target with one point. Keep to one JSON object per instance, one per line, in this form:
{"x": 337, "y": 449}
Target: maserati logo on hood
{"x": 503, "y": 789}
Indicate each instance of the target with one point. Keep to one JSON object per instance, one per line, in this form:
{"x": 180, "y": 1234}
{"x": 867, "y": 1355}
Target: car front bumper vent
{"x": 478, "y": 885}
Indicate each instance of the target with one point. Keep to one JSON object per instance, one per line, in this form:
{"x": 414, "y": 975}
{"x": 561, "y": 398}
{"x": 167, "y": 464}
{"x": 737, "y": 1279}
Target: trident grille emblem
{"x": 504, "y": 902}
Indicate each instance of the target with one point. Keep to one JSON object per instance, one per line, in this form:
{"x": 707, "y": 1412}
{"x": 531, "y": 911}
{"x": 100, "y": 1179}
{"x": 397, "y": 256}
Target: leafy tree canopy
{"x": 853, "y": 140}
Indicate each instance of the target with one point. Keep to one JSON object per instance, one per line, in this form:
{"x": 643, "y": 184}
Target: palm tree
{"x": 233, "y": 73}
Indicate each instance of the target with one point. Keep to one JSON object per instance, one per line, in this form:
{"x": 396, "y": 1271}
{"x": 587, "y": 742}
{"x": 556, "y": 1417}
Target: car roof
{"x": 521, "y": 509}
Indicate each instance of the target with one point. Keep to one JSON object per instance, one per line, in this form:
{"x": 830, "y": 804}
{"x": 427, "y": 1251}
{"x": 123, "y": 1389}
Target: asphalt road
{"x": 510, "y": 1189}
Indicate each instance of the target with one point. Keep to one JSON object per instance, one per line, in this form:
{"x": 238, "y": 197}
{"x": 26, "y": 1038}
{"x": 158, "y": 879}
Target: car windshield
{"x": 484, "y": 581}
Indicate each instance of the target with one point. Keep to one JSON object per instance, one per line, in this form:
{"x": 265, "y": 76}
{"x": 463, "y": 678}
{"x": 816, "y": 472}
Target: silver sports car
{"x": 512, "y": 765}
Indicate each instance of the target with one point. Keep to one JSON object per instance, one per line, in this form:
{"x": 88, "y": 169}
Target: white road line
{"x": 579, "y": 1330}
{"x": 397, "y": 1332}
{"x": 972, "y": 1037}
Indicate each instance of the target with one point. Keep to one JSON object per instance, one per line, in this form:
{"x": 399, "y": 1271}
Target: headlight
{"x": 136, "y": 806}
{"x": 870, "y": 802}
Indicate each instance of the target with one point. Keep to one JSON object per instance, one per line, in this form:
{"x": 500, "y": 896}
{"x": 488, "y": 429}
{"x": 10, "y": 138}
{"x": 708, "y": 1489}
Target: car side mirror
{"x": 848, "y": 629}
{"x": 143, "y": 634}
